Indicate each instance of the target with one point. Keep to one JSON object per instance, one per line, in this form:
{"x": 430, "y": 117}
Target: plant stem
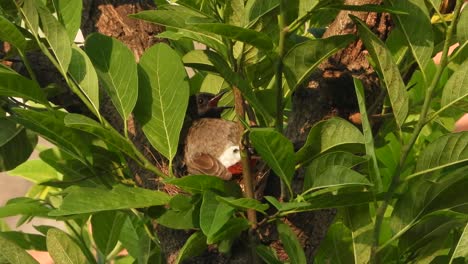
{"x": 419, "y": 126}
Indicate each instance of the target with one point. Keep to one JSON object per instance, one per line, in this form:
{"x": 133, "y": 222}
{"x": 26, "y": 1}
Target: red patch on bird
{"x": 237, "y": 168}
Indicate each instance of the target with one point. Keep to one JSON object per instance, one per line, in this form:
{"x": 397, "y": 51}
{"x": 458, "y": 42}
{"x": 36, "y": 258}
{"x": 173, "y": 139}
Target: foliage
{"x": 401, "y": 193}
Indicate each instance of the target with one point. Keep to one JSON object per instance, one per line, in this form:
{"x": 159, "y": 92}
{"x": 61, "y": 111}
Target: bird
{"x": 212, "y": 143}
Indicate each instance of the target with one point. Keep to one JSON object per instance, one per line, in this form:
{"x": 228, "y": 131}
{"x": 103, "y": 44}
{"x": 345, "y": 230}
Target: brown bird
{"x": 212, "y": 143}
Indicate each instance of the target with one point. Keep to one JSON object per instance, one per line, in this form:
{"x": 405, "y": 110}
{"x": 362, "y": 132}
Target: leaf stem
{"x": 380, "y": 214}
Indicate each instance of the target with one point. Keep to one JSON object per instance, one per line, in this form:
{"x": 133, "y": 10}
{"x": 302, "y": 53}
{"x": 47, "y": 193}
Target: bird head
{"x": 206, "y": 104}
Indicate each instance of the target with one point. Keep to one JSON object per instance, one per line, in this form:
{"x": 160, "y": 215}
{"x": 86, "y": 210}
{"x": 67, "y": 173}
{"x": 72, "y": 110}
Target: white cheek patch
{"x": 230, "y": 156}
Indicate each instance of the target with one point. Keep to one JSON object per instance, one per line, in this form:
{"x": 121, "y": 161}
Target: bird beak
{"x": 214, "y": 101}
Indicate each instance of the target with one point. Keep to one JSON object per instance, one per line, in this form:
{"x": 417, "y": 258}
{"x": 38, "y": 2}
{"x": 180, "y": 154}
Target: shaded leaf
{"x": 25, "y": 240}
{"x": 106, "y": 229}
{"x": 9, "y": 33}
{"x": 56, "y": 37}
{"x": 183, "y": 212}
{"x": 23, "y": 206}
{"x": 255, "y": 9}
{"x": 338, "y": 176}
{"x": 17, "y": 148}
{"x": 267, "y": 254}
{"x": 290, "y": 243}
{"x": 329, "y": 134}
{"x": 14, "y": 254}
{"x": 194, "y": 246}
{"x": 461, "y": 249}
{"x": 62, "y": 248}
{"x": 462, "y": 27}
{"x": 387, "y": 70}
{"x": 69, "y": 13}
{"x": 456, "y": 88}
{"x": 230, "y": 230}
{"x": 15, "y": 85}
{"x": 82, "y": 71}
{"x": 303, "y": 58}
{"x": 277, "y": 151}
{"x": 359, "y": 222}
{"x": 163, "y": 98}
{"x": 213, "y": 214}
{"x": 320, "y": 164}
{"x": 336, "y": 247}
{"x": 135, "y": 239}
{"x": 202, "y": 183}
{"x": 80, "y": 200}
{"x": 117, "y": 70}
{"x": 244, "y": 203}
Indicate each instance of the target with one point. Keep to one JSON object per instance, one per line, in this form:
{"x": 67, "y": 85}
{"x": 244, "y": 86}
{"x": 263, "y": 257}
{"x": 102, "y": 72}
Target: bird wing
{"x": 203, "y": 163}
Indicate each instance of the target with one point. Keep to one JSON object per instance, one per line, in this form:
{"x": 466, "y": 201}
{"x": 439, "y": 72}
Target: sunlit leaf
{"x": 194, "y": 246}
{"x": 15, "y": 85}
{"x": 63, "y": 249}
{"x": 213, "y": 214}
{"x": 106, "y": 229}
{"x": 14, "y": 254}
{"x": 456, "y": 88}
{"x": 69, "y": 13}
{"x": 338, "y": 176}
{"x": 11, "y": 34}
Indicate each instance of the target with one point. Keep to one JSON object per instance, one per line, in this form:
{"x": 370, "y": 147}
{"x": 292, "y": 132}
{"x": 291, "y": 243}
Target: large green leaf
{"x": 320, "y": 164}
{"x": 117, "y": 70}
{"x": 359, "y": 222}
{"x": 291, "y": 244}
{"x": 194, "y": 246}
{"x": 329, "y": 134}
{"x": 163, "y": 98}
{"x": 36, "y": 171}
{"x": 337, "y": 246}
{"x": 416, "y": 29}
{"x": 244, "y": 203}
{"x": 368, "y": 135}
{"x": 135, "y": 239}
{"x": 456, "y": 88}
{"x": 230, "y": 230}
{"x": 387, "y": 70}
{"x": 302, "y": 59}
{"x": 183, "y": 212}
{"x": 63, "y": 249}
{"x": 213, "y": 214}
{"x": 16, "y": 144}
{"x": 338, "y": 176}
{"x": 15, "y": 85}
{"x": 177, "y": 20}
{"x": 110, "y": 136}
{"x": 202, "y": 183}
{"x": 26, "y": 240}
{"x": 83, "y": 73}
{"x": 106, "y": 229}
{"x": 56, "y": 37}
{"x": 446, "y": 151}
{"x": 50, "y": 125}
{"x": 255, "y": 9}
{"x": 14, "y": 254}
{"x": 23, "y": 206}
{"x": 234, "y": 12}
{"x": 462, "y": 27}
{"x": 9, "y": 33}
{"x": 277, "y": 151}
{"x": 461, "y": 249}
{"x": 80, "y": 200}
{"x": 30, "y": 15}
{"x": 69, "y": 13}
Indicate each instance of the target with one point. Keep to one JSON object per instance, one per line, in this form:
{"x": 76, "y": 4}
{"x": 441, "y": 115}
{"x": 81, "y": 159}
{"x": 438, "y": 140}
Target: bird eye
{"x": 236, "y": 150}
{"x": 200, "y": 100}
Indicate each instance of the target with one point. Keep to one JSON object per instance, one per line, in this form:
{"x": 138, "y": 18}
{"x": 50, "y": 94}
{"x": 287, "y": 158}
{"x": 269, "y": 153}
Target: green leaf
{"x": 337, "y": 246}
{"x": 117, "y": 70}
{"x": 198, "y": 59}
{"x": 462, "y": 27}
{"x": 195, "y": 245}
{"x": 63, "y": 249}
{"x": 15, "y": 85}
{"x": 387, "y": 70}
{"x": 177, "y": 20}
{"x": 244, "y": 203}
{"x": 50, "y": 125}
{"x": 134, "y": 238}
{"x": 255, "y": 9}
{"x": 14, "y": 254}
{"x": 69, "y": 13}
{"x": 25, "y": 240}
{"x": 303, "y": 58}
{"x": 202, "y": 183}
{"x": 277, "y": 151}
{"x": 230, "y": 230}
{"x": 267, "y": 254}
{"x": 338, "y": 176}
{"x": 291, "y": 244}
{"x": 416, "y": 29}
{"x": 163, "y": 98}
{"x": 368, "y": 136}
{"x": 23, "y": 206}
{"x": 109, "y": 136}
{"x": 81, "y": 200}
{"x": 106, "y": 229}
{"x": 56, "y": 37}
{"x": 320, "y": 164}
{"x": 234, "y": 13}
{"x": 461, "y": 249}
{"x": 456, "y": 88}
{"x": 30, "y": 15}
{"x": 249, "y": 36}
{"x": 9, "y": 33}
{"x": 329, "y": 134}
{"x": 36, "y": 171}
{"x": 183, "y": 212}
{"x": 213, "y": 214}
{"x": 445, "y": 151}
{"x": 16, "y": 144}
{"x": 82, "y": 72}
{"x": 359, "y": 222}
